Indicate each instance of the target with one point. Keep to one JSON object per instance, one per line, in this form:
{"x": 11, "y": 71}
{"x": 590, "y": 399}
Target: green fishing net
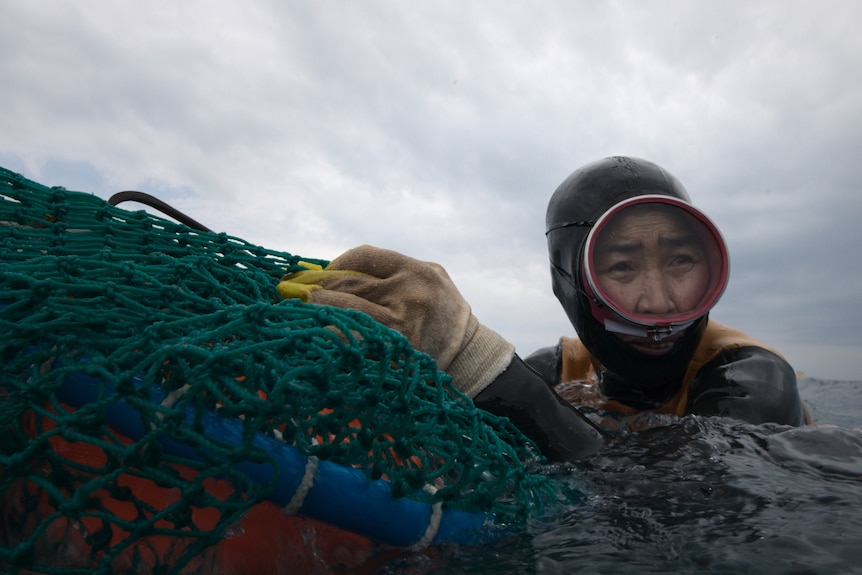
{"x": 138, "y": 301}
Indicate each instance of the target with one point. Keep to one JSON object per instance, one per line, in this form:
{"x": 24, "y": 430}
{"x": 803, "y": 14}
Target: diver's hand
{"x": 415, "y": 298}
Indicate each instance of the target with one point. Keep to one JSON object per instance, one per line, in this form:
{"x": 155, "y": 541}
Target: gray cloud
{"x": 441, "y": 129}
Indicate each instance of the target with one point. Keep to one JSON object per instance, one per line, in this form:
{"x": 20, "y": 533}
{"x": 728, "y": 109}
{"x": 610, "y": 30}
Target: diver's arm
{"x": 748, "y": 383}
{"x": 557, "y": 428}
{"x": 420, "y": 300}
{"x": 547, "y": 362}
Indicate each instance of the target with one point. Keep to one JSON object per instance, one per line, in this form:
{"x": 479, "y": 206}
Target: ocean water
{"x": 698, "y": 495}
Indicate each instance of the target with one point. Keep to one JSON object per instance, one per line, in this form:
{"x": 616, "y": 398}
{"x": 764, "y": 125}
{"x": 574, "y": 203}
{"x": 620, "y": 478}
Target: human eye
{"x": 621, "y": 267}
{"x": 618, "y": 269}
{"x": 684, "y": 260}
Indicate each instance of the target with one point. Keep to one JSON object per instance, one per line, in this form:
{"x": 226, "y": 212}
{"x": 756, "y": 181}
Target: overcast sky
{"x": 440, "y": 129}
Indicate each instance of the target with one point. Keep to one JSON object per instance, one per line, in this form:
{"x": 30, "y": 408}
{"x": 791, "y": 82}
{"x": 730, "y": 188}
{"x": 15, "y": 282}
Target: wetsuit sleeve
{"x": 530, "y": 403}
{"x": 748, "y": 383}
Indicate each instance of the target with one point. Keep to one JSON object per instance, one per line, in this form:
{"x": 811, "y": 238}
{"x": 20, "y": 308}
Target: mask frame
{"x": 618, "y": 320}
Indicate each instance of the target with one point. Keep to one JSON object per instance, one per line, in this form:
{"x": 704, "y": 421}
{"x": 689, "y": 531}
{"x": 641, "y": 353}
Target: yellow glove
{"x": 415, "y": 298}
{"x": 299, "y": 285}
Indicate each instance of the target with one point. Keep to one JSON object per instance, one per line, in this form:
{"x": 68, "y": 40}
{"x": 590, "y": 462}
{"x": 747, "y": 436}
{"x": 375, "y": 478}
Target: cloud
{"x": 442, "y": 128}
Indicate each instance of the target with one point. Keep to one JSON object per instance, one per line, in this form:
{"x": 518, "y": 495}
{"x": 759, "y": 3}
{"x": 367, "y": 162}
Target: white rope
{"x": 301, "y": 492}
{"x": 169, "y": 401}
{"x": 433, "y": 523}
{"x": 173, "y": 397}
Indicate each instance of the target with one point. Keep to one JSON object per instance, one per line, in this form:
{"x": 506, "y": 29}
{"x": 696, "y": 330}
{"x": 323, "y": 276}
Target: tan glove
{"x": 415, "y": 298}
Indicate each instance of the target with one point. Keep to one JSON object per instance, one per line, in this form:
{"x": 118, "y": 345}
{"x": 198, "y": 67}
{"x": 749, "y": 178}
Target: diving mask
{"x": 653, "y": 265}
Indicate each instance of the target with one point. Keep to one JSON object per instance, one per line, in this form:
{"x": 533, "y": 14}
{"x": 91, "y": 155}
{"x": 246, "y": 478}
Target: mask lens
{"x": 655, "y": 262}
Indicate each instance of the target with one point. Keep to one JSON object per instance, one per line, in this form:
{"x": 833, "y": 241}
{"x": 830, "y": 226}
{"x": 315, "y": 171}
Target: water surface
{"x": 699, "y": 495}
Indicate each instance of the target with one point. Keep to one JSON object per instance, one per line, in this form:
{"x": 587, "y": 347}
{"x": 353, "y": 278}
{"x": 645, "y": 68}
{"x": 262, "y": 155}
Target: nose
{"x": 655, "y": 296}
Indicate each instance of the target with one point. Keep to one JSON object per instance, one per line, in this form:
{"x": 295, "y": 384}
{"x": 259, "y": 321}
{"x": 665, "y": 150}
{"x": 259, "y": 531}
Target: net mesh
{"x": 140, "y": 301}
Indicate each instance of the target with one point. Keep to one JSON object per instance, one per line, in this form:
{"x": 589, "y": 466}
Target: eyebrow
{"x": 664, "y": 240}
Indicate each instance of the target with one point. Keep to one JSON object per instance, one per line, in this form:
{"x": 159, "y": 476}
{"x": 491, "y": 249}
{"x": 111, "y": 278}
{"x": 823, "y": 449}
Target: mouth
{"x": 649, "y": 346}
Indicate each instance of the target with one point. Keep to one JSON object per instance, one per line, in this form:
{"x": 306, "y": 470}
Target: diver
{"x": 637, "y": 269}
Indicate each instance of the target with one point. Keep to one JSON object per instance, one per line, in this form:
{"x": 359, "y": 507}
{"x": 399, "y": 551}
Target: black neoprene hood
{"x": 572, "y": 211}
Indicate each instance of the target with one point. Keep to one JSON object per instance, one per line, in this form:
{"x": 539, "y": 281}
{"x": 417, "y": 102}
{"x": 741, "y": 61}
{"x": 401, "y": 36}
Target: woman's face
{"x": 649, "y": 261}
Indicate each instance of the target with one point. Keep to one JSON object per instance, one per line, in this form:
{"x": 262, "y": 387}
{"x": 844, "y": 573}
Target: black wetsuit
{"x": 729, "y": 375}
